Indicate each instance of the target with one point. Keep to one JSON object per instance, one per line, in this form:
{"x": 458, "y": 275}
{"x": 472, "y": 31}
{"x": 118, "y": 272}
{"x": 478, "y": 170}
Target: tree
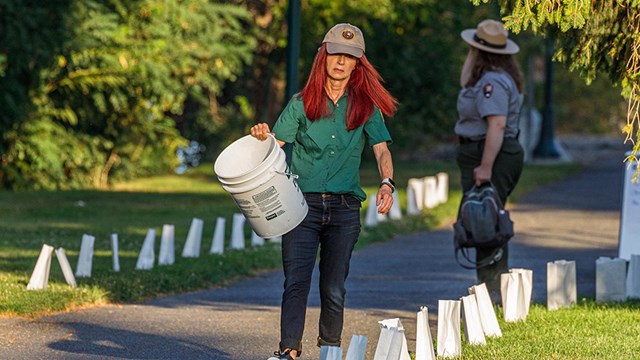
{"x": 101, "y": 100}
{"x": 592, "y": 36}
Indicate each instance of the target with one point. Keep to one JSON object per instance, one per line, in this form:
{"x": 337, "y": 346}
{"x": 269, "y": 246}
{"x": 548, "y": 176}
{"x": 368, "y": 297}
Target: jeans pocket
{"x": 350, "y": 202}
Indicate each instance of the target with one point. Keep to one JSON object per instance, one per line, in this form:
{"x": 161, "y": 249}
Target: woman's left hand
{"x": 384, "y": 199}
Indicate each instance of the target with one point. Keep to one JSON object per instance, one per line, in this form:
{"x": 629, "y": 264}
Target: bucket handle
{"x": 287, "y": 174}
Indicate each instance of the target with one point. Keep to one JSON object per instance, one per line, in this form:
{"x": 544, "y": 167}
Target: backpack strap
{"x": 480, "y": 264}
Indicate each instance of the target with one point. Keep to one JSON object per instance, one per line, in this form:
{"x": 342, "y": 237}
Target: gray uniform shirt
{"x": 494, "y": 94}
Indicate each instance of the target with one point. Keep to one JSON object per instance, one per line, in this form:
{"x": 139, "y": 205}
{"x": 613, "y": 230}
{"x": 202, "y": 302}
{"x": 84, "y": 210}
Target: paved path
{"x": 576, "y": 219}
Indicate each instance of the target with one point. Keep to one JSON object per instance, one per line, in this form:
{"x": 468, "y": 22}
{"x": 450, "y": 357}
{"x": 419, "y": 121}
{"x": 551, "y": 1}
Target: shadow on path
{"x": 86, "y": 340}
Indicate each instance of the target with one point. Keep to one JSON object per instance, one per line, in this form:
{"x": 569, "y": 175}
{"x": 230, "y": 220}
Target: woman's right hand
{"x": 260, "y": 131}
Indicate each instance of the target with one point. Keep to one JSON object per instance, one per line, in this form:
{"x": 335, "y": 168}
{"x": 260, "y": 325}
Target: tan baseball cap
{"x": 345, "y": 39}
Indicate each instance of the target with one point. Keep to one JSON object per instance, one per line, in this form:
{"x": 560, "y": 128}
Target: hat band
{"x": 486, "y": 43}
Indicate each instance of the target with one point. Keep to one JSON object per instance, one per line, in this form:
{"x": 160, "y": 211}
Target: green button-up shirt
{"x": 326, "y": 156}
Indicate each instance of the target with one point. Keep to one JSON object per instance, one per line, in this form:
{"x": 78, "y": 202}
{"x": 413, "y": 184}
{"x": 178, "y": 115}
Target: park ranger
{"x": 487, "y": 128}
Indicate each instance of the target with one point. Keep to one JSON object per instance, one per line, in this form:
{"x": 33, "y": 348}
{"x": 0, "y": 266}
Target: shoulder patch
{"x": 487, "y": 90}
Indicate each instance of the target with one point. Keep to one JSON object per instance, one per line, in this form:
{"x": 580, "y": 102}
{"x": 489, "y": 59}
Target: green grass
{"x": 585, "y": 331}
{"x": 30, "y": 219}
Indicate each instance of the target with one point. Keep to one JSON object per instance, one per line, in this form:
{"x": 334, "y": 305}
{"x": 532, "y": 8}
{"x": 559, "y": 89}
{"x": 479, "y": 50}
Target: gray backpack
{"x": 482, "y": 223}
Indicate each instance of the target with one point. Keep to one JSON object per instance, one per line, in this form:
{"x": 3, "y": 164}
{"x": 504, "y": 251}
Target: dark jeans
{"x": 506, "y": 172}
{"x": 333, "y": 225}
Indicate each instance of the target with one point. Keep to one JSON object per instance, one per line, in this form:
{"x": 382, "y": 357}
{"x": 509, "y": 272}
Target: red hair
{"x": 364, "y": 91}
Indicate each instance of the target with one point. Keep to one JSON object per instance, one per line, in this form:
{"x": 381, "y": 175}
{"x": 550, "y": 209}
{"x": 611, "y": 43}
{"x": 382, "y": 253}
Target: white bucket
{"x": 256, "y": 175}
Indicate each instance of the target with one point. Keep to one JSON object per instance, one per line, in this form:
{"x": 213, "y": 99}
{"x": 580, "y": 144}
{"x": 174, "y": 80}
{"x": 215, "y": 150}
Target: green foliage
{"x": 3, "y": 61}
{"x": 109, "y": 86}
{"x": 47, "y": 156}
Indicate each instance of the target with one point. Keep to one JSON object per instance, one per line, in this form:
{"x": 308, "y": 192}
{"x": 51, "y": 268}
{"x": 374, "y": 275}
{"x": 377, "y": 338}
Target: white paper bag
{"x": 256, "y": 240}
{"x": 424, "y": 342}
{"x": 330, "y": 352}
{"x": 392, "y": 344}
{"x": 371, "y": 218}
{"x": 147, "y": 255}
{"x": 395, "y": 213}
{"x": 633, "y": 277}
{"x": 431, "y": 198}
{"x": 449, "y": 341}
{"x": 85, "y": 259}
{"x": 471, "y": 320}
{"x": 515, "y": 288}
{"x": 488, "y": 317}
{"x": 66, "y": 268}
{"x": 167, "y": 254}
{"x": 610, "y": 279}
{"x": 276, "y": 240}
{"x": 40, "y": 275}
{"x": 412, "y": 206}
{"x": 357, "y": 348}
{"x": 237, "y": 231}
{"x": 416, "y": 186}
{"x": 561, "y": 284}
{"x": 217, "y": 244}
{"x": 442, "y": 186}
{"x": 114, "y": 252}
{"x": 194, "y": 239}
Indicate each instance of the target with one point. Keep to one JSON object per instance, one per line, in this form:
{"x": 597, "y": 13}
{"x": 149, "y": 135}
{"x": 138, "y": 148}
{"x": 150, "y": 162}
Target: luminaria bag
{"x": 482, "y": 223}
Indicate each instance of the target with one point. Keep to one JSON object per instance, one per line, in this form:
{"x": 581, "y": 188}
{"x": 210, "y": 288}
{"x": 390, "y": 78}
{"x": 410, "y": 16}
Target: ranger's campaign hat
{"x": 490, "y": 36}
{"x": 345, "y": 39}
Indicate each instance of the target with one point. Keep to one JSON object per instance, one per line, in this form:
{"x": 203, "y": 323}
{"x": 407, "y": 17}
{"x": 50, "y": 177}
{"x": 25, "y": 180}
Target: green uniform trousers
{"x": 507, "y": 168}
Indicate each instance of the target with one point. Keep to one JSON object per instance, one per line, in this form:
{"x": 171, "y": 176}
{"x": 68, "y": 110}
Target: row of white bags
{"x": 478, "y": 317}
{"x": 427, "y": 192}
{"x": 147, "y": 257}
{"x": 475, "y": 311}
{"x": 616, "y": 280}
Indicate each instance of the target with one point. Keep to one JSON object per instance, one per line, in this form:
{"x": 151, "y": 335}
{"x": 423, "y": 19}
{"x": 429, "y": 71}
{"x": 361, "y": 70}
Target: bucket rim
{"x": 267, "y": 160}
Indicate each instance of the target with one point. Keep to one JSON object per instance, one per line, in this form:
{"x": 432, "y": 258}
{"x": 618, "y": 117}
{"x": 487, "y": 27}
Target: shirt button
{"x": 333, "y": 136}
{"x": 332, "y": 152}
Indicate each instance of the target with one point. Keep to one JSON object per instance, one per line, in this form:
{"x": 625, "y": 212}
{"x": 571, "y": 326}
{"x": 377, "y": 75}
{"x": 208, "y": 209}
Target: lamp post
{"x": 546, "y": 147}
{"x": 293, "y": 48}
{"x": 293, "y": 54}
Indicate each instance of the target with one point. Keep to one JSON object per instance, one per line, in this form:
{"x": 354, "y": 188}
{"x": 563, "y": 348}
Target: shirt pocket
{"x": 305, "y": 138}
{"x": 467, "y": 104}
{"x": 469, "y": 93}
{"x": 319, "y": 134}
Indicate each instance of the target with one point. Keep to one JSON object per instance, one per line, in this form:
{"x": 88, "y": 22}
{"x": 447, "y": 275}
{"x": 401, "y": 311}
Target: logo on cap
{"x": 348, "y": 34}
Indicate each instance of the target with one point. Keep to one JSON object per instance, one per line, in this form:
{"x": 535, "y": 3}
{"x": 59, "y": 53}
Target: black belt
{"x": 466, "y": 140}
{"x": 326, "y": 195}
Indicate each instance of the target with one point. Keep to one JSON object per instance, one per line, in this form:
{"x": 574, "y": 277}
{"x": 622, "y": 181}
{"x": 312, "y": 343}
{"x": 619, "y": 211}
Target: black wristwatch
{"x": 389, "y": 182}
